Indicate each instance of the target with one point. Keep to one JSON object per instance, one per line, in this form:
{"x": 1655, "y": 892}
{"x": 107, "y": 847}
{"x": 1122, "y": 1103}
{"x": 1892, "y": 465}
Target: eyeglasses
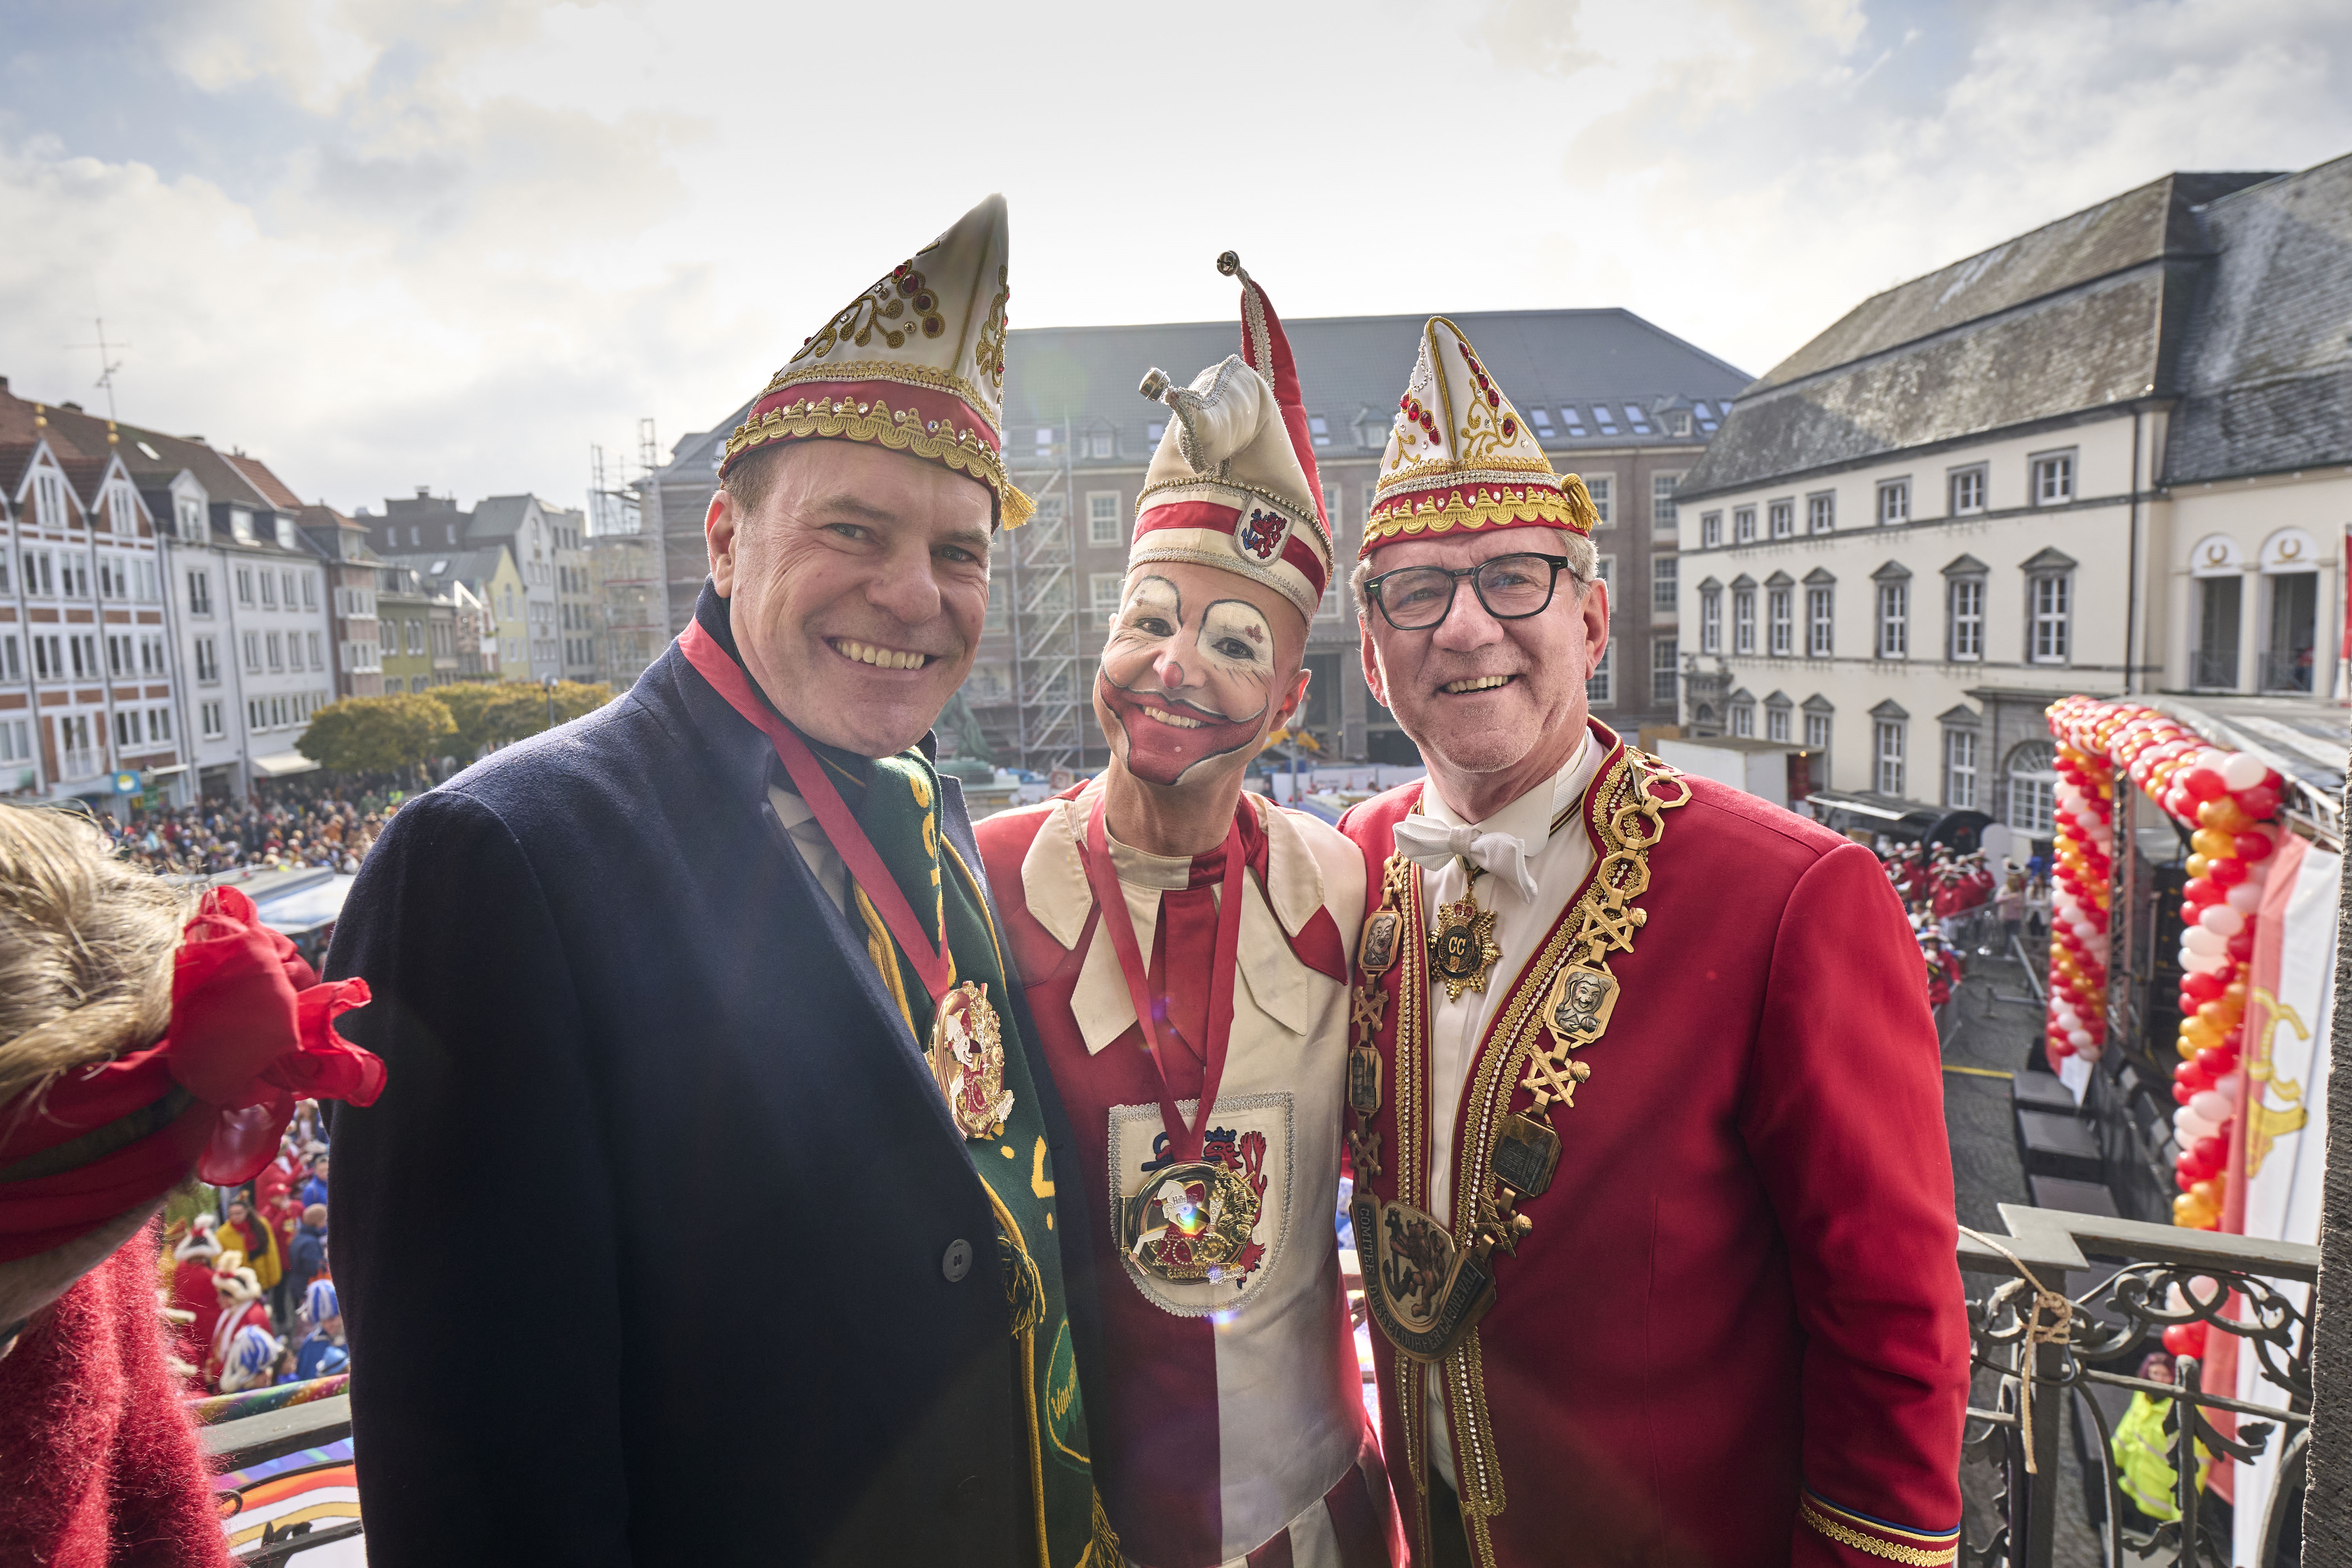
{"x": 1511, "y": 587}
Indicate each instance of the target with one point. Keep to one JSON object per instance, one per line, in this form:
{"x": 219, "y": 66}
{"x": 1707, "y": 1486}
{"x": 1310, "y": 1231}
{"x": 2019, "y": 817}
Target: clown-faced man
{"x": 1646, "y": 1111}
{"x": 1185, "y": 948}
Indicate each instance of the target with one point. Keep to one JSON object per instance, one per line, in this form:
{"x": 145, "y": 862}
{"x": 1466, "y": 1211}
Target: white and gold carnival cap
{"x": 915, "y": 364}
{"x": 1233, "y": 484}
{"x": 1460, "y": 458}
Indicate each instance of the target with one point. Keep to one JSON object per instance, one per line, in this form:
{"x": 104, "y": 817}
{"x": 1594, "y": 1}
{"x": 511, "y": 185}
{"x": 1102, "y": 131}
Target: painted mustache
{"x": 1166, "y": 736}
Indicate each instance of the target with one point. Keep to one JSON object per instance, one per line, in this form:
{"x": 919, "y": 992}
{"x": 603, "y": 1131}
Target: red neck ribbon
{"x": 1183, "y": 1142}
{"x": 930, "y": 960}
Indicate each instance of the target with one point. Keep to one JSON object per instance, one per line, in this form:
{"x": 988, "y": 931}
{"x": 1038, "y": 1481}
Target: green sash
{"x": 897, "y": 801}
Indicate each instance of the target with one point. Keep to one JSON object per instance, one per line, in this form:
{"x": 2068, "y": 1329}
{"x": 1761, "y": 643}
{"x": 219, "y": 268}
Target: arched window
{"x": 2033, "y": 774}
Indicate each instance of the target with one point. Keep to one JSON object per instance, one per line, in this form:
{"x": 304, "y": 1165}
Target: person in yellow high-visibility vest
{"x": 2143, "y": 1449}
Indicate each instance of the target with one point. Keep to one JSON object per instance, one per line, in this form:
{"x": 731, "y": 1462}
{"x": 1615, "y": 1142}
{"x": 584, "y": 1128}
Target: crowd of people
{"x": 318, "y": 826}
{"x": 1957, "y": 900}
{"x": 247, "y": 1277}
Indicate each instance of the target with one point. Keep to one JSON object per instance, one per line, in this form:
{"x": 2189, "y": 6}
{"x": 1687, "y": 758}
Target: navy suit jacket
{"x": 649, "y": 1102}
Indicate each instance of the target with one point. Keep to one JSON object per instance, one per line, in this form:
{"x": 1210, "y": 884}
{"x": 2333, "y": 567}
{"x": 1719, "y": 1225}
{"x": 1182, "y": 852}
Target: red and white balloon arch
{"x": 2231, "y": 802}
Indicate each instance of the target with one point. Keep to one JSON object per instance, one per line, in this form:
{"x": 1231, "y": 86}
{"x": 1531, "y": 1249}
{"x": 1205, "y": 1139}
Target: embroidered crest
{"x": 1259, "y": 533}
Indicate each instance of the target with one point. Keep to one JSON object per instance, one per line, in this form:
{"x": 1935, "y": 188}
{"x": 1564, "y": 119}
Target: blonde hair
{"x": 86, "y": 947}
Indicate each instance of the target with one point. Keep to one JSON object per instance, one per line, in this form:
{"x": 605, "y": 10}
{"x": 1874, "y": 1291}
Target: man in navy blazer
{"x": 618, "y": 996}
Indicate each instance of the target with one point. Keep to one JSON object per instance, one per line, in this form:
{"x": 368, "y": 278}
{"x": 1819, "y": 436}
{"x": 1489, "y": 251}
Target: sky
{"x": 392, "y": 243}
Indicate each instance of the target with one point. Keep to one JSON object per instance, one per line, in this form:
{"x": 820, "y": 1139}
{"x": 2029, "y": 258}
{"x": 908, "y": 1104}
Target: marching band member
{"x": 1652, "y": 1187}
{"x": 1185, "y": 946}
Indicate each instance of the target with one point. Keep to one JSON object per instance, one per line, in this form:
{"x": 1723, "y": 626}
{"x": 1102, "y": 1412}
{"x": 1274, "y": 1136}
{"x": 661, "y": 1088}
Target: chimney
{"x": 4, "y": 386}
{"x": 425, "y": 492}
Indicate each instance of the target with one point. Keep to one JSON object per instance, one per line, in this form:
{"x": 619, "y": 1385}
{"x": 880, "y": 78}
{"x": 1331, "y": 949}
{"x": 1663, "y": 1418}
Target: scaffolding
{"x": 1051, "y": 710}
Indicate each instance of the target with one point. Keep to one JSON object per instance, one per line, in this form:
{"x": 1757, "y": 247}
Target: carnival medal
{"x": 967, "y": 1056}
{"x": 1194, "y": 1218}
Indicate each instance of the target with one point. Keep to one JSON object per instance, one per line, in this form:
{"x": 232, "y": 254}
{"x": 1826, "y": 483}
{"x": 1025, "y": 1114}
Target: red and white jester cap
{"x": 1233, "y": 484}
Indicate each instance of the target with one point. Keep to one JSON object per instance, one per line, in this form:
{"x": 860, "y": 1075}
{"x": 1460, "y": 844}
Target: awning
{"x": 1843, "y": 810}
{"x": 165, "y": 772}
{"x": 278, "y": 764}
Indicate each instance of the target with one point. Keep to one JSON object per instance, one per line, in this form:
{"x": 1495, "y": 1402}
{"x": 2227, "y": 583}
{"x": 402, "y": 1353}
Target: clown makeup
{"x": 1183, "y": 685}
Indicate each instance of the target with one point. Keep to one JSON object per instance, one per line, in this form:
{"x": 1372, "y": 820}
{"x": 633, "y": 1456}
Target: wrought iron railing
{"x": 2049, "y": 1349}
{"x": 2213, "y": 669}
{"x": 2286, "y": 672}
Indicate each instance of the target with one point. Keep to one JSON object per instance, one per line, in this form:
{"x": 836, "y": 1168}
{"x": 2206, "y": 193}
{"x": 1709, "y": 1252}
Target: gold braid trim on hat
{"x": 1469, "y": 508}
{"x": 845, "y": 419}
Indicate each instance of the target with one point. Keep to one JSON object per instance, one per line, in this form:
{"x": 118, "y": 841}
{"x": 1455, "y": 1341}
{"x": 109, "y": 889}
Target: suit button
{"x": 964, "y": 1497}
{"x": 956, "y": 1262}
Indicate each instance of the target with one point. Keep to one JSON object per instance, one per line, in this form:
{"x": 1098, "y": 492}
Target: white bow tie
{"x": 1429, "y": 843}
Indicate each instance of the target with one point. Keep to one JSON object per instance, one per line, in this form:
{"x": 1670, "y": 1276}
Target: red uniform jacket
{"x": 1735, "y": 1332}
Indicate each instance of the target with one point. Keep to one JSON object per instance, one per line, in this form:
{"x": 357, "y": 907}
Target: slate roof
{"x": 2078, "y": 315}
{"x": 438, "y": 568}
{"x": 2266, "y": 370}
{"x": 497, "y": 517}
{"x": 1352, "y": 370}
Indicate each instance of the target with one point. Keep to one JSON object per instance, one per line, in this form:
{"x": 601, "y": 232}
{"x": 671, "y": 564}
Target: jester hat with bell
{"x": 1460, "y": 460}
{"x": 1233, "y": 483}
{"x": 915, "y": 364}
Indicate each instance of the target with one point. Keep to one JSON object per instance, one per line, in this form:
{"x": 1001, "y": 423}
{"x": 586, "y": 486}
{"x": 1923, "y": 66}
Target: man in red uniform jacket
{"x": 1653, "y": 1189}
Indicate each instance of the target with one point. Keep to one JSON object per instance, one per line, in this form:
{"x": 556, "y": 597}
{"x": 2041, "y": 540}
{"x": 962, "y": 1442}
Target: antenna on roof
{"x": 106, "y": 363}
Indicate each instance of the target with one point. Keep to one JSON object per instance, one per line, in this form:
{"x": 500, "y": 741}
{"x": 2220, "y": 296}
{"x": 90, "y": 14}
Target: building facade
{"x": 89, "y": 695}
{"x": 352, "y": 628}
{"x": 2017, "y": 477}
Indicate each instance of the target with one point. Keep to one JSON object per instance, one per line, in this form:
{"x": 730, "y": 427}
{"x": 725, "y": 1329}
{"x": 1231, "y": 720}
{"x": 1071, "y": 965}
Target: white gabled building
{"x": 2112, "y": 454}
{"x": 88, "y": 702}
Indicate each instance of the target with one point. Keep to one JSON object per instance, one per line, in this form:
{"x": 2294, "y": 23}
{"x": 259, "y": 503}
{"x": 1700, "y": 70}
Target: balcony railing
{"x": 2213, "y": 669}
{"x": 2287, "y": 672}
{"x": 2049, "y": 1349}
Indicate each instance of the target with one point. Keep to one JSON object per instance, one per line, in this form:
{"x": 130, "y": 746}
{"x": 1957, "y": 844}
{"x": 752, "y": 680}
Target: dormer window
{"x": 240, "y": 525}
{"x": 1318, "y": 429}
{"x": 1540, "y": 418}
{"x": 1678, "y": 423}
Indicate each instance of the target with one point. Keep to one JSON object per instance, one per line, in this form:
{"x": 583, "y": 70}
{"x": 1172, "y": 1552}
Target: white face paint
{"x": 1184, "y": 683}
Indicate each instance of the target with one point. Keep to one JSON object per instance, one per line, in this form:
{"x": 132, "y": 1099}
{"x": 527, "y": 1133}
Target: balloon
{"x": 2210, "y": 842}
{"x": 2242, "y": 771}
{"x": 2250, "y": 847}
{"x": 2242, "y": 946}
{"x": 2208, "y": 1194}
{"x": 2080, "y": 1039}
{"x": 2204, "y": 987}
{"x": 2244, "y": 899}
{"x": 2260, "y": 804}
{"x": 2199, "y": 892}
{"x": 2193, "y": 1076}
{"x": 2091, "y": 1053}
{"x": 2224, "y": 814}
{"x": 2206, "y": 963}
{"x": 2224, "y": 871}
{"x": 2222, "y": 918}
{"x": 2185, "y": 1339}
{"x": 2197, "y": 865}
{"x": 2211, "y": 1106}
{"x": 2188, "y": 1126}
{"x": 2197, "y": 939}
{"x": 2212, "y": 1150}
{"x": 2203, "y": 783}
{"x": 2216, "y": 1062}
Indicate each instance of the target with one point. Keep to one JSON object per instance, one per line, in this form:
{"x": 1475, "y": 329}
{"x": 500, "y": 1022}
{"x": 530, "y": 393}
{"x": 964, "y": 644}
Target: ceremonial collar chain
{"x": 1426, "y": 1284}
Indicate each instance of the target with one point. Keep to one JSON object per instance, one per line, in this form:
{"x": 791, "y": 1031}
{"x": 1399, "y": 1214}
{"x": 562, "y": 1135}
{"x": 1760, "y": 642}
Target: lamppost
{"x": 549, "y": 682}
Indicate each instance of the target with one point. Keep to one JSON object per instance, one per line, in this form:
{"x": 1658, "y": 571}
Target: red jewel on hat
{"x": 1511, "y": 429}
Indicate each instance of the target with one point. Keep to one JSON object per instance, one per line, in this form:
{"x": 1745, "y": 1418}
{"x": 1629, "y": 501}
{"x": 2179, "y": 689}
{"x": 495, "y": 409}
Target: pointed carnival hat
{"x": 915, "y": 364}
{"x": 1233, "y": 483}
{"x": 1459, "y": 457}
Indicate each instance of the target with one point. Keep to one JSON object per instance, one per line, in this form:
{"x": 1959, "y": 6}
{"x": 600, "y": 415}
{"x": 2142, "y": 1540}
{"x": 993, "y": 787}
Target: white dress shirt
{"x": 1558, "y": 861}
{"x": 801, "y": 826}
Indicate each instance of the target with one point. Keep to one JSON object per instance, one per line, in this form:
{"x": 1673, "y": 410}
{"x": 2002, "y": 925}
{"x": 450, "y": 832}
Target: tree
{"x": 377, "y": 735}
{"x": 518, "y": 712}
{"x": 467, "y": 701}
